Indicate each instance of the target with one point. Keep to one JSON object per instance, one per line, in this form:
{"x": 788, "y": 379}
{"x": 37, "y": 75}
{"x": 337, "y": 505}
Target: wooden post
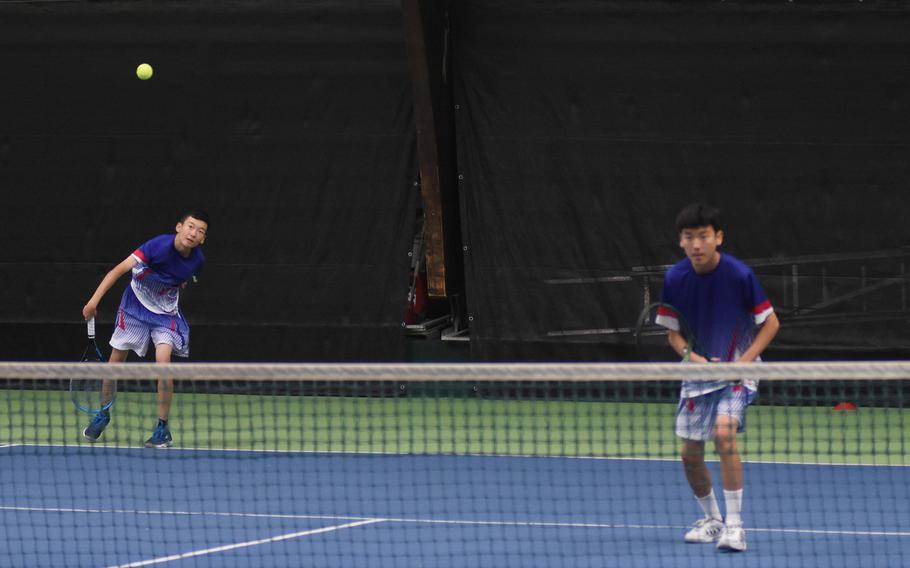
{"x": 427, "y": 149}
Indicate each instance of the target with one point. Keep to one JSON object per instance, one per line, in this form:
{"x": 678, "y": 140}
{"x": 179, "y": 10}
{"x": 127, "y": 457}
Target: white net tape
{"x": 815, "y": 371}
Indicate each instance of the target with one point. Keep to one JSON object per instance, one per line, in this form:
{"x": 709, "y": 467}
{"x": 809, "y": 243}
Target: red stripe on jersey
{"x": 731, "y": 350}
{"x": 766, "y": 305}
{"x": 665, "y": 311}
{"x": 138, "y": 253}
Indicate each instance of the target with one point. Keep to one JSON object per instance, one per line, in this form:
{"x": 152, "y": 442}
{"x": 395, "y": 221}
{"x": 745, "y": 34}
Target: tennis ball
{"x": 144, "y": 71}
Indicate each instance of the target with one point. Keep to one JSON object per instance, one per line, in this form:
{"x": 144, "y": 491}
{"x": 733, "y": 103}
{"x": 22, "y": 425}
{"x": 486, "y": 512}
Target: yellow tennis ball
{"x": 144, "y": 71}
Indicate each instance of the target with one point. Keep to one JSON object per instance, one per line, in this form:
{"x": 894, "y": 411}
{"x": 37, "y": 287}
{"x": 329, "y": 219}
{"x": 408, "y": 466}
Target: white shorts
{"x": 133, "y": 334}
{"x": 696, "y": 416}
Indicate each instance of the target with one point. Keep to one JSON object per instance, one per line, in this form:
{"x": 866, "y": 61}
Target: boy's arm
{"x": 762, "y": 339}
{"x": 91, "y": 308}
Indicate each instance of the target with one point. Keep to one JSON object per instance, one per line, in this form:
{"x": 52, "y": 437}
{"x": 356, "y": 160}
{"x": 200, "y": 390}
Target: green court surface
{"x": 424, "y": 425}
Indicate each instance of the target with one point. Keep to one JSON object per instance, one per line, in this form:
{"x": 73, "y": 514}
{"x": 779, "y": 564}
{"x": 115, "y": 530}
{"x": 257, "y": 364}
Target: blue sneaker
{"x": 161, "y": 438}
{"x": 93, "y": 431}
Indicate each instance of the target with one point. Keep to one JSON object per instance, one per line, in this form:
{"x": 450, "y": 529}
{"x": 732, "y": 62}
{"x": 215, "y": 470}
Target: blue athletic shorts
{"x": 696, "y": 416}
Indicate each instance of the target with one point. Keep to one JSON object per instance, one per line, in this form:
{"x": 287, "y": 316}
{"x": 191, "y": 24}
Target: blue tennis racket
{"x": 92, "y": 395}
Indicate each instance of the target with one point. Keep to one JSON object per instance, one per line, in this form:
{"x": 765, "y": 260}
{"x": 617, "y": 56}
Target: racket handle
{"x": 90, "y": 324}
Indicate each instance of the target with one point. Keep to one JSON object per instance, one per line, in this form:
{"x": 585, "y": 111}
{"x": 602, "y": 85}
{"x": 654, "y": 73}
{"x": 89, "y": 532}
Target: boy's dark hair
{"x": 698, "y": 215}
{"x": 195, "y": 214}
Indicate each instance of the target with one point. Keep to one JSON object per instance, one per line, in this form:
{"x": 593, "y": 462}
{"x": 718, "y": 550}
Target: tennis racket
{"x": 88, "y": 394}
{"x": 650, "y": 324}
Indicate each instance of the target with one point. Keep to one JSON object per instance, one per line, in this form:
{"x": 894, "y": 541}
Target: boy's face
{"x": 700, "y": 245}
{"x": 191, "y": 232}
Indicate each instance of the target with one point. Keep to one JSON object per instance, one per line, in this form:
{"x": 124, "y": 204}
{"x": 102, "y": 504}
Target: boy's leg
{"x": 165, "y": 386}
{"x": 731, "y": 467}
{"x": 117, "y": 355}
{"x": 161, "y": 437}
{"x": 728, "y": 422}
{"x": 708, "y": 528}
{"x": 171, "y": 338}
{"x": 699, "y": 478}
{"x": 697, "y": 474}
{"x": 730, "y": 419}
{"x": 694, "y": 425}
{"x": 108, "y": 387}
{"x": 695, "y": 419}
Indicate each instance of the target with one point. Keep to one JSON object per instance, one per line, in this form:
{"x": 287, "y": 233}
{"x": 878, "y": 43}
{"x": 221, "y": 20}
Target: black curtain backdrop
{"x": 584, "y": 126}
{"x": 290, "y": 122}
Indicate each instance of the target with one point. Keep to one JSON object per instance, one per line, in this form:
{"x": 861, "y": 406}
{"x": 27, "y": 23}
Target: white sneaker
{"x": 733, "y": 539}
{"x": 705, "y": 530}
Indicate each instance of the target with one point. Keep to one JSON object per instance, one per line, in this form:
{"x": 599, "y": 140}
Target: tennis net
{"x": 446, "y": 465}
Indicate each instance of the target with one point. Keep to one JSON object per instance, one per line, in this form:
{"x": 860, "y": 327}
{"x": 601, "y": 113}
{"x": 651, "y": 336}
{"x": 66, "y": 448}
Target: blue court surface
{"x": 107, "y": 506}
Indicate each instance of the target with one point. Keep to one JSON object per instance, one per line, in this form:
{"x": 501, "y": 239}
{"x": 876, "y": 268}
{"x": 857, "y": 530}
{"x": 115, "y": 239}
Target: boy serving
{"x": 149, "y": 311}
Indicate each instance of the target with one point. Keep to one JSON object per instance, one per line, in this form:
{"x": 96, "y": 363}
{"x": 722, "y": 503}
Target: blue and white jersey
{"x": 160, "y": 271}
{"x": 722, "y": 309}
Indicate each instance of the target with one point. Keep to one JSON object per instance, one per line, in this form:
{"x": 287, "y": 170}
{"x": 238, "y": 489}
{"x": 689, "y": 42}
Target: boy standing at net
{"x": 149, "y": 311}
{"x": 732, "y": 321}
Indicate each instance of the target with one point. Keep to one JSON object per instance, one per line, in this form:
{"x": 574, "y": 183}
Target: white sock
{"x": 709, "y": 506}
{"x": 734, "y": 502}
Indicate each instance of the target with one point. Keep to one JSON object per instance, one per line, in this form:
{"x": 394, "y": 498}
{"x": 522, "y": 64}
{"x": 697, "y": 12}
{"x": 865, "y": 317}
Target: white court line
{"x": 641, "y": 527}
{"x": 182, "y": 513}
{"x": 100, "y": 447}
{"x": 418, "y": 520}
{"x": 228, "y": 547}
